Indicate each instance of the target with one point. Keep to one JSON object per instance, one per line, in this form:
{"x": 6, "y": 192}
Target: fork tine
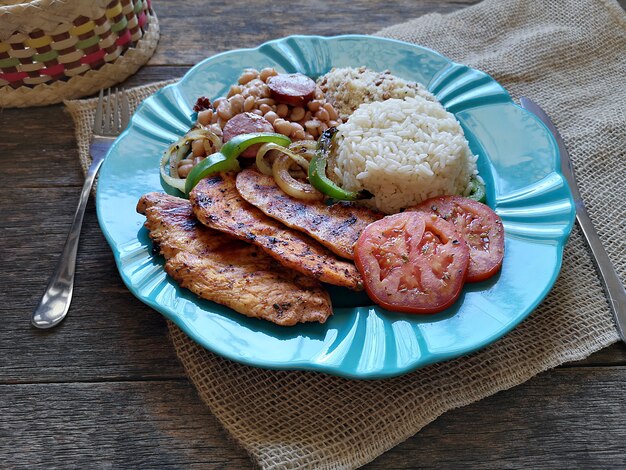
{"x": 116, "y": 112}
{"x": 125, "y": 110}
{"x": 97, "y": 120}
{"x": 107, "y": 114}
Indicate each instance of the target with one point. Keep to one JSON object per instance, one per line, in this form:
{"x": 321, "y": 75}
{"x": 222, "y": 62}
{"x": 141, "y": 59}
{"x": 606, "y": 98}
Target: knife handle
{"x": 608, "y": 276}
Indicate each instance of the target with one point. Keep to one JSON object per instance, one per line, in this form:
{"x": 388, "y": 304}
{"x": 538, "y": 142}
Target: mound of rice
{"x": 403, "y": 151}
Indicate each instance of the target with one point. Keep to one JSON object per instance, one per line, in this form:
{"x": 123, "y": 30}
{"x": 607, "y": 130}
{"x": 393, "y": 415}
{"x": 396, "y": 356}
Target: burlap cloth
{"x": 569, "y": 56}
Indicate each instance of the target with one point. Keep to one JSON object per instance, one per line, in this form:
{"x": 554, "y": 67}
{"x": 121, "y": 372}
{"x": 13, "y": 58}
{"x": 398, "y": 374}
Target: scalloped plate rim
{"x": 304, "y": 365}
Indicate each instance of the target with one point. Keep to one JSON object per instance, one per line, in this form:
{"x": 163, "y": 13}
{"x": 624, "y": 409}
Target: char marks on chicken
{"x": 217, "y": 204}
{"x": 230, "y": 272}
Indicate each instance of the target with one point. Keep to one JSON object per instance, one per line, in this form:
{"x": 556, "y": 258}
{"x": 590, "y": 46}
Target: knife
{"x": 610, "y": 280}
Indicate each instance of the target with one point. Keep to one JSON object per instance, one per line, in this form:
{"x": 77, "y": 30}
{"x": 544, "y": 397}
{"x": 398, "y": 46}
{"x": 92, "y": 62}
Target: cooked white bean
{"x": 271, "y": 116}
{"x": 312, "y": 124}
{"x": 282, "y": 110}
{"x": 267, "y": 73}
{"x": 267, "y": 101}
{"x": 197, "y": 148}
{"x": 184, "y": 170}
{"x": 322, "y": 115}
{"x": 248, "y": 75}
{"x": 224, "y": 111}
{"x": 265, "y": 91}
{"x": 248, "y": 104}
{"x": 256, "y": 83}
{"x": 297, "y": 113}
{"x": 314, "y": 105}
{"x": 332, "y": 113}
{"x": 205, "y": 116}
{"x": 234, "y": 90}
{"x": 282, "y": 127}
{"x": 236, "y": 104}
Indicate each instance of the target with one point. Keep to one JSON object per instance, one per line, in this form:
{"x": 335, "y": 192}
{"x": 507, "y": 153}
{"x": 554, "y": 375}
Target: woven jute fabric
{"x": 570, "y": 57}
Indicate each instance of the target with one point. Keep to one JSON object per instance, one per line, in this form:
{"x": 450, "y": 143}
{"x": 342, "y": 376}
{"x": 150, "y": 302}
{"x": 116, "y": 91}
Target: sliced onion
{"x": 179, "y": 150}
{"x": 304, "y": 147}
{"x": 299, "y": 159}
{"x": 261, "y": 164}
{"x": 288, "y": 184}
{"x": 216, "y": 142}
{"x": 177, "y": 183}
{"x": 175, "y": 158}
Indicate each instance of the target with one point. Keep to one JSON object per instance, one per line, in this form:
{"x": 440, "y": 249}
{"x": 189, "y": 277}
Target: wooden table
{"x": 105, "y": 390}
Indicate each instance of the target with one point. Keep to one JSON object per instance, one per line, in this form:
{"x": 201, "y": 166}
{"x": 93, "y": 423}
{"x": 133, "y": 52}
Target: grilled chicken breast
{"x": 227, "y": 271}
{"x": 217, "y": 204}
{"x": 337, "y": 226}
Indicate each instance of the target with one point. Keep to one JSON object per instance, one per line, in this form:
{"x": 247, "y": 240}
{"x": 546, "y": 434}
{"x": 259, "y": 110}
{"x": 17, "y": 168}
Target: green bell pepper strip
{"x": 226, "y": 158}
{"x": 317, "y": 172}
{"x": 478, "y": 192}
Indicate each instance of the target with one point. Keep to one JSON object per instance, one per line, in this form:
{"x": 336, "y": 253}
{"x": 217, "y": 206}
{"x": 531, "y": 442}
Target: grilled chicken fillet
{"x": 337, "y": 226}
{"x": 227, "y": 271}
{"x": 217, "y": 204}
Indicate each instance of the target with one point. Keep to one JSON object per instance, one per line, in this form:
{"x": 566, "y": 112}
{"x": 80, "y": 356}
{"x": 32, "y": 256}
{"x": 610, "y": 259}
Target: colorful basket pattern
{"x": 73, "y": 48}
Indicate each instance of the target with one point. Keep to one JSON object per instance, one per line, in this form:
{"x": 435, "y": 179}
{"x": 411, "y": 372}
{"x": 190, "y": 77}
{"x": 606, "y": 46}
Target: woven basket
{"x": 52, "y": 50}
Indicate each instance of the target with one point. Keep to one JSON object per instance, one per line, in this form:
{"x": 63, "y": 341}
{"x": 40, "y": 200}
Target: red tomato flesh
{"x": 412, "y": 262}
{"x": 480, "y": 227}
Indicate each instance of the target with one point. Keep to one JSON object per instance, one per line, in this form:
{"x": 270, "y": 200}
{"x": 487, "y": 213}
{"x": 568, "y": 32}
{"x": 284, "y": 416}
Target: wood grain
{"x": 248, "y": 23}
{"x": 563, "y": 418}
{"x": 105, "y": 389}
{"x": 111, "y": 425}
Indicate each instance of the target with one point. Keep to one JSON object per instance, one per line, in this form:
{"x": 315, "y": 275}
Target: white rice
{"x": 403, "y": 151}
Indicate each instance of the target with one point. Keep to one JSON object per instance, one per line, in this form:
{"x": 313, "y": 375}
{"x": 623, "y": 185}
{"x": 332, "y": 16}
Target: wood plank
{"x": 111, "y": 425}
{"x": 194, "y": 30}
{"x": 37, "y": 153}
{"x": 560, "y": 419}
{"x": 108, "y": 334}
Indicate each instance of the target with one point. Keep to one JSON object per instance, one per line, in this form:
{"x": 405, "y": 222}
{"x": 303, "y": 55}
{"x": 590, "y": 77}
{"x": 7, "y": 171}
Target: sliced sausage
{"x": 246, "y": 123}
{"x": 294, "y": 89}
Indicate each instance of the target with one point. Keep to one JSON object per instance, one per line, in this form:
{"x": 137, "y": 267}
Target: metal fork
{"x": 112, "y": 116}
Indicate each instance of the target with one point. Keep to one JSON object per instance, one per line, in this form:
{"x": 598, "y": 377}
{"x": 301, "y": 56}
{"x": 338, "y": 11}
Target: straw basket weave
{"x": 51, "y": 50}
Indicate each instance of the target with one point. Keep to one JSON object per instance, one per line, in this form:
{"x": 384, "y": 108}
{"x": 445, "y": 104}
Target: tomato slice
{"x": 412, "y": 262}
{"x": 480, "y": 227}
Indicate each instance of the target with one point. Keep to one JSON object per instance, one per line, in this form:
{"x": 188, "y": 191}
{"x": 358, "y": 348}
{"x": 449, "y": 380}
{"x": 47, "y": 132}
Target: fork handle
{"x": 56, "y": 299}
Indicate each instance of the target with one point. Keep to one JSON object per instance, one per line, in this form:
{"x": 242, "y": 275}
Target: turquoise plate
{"x": 518, "y": 158}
